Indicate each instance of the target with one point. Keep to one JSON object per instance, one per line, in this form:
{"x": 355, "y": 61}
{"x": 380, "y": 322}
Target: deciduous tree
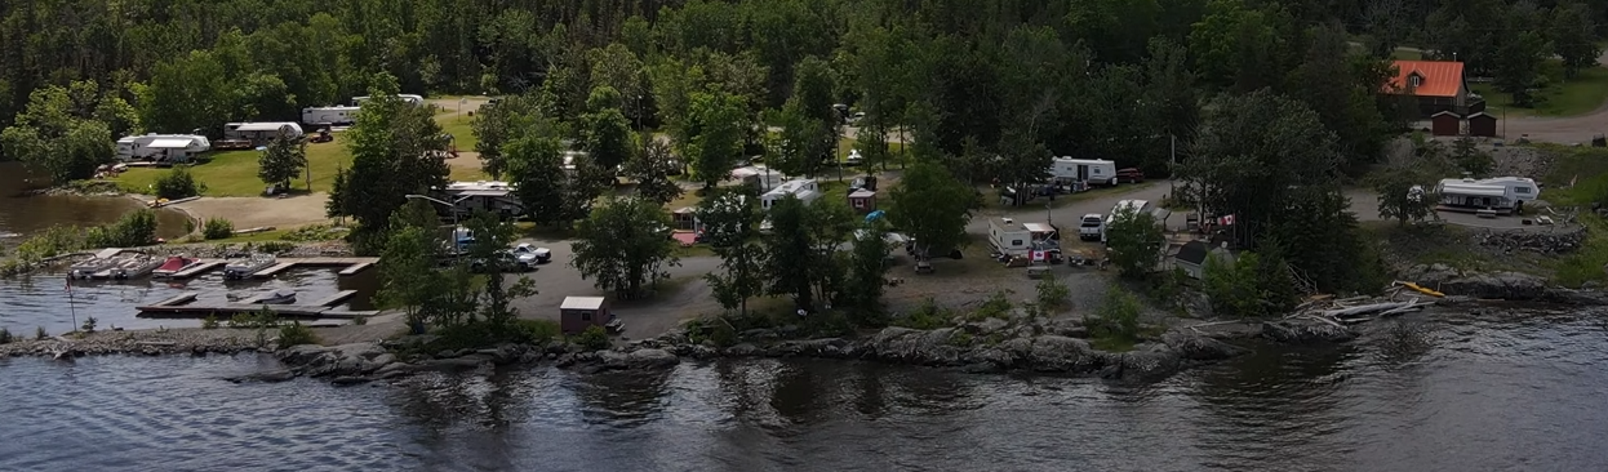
{"x": 729, "y": 224}
{"x": 651, "y": 166}
{"x": 394, "y": 153}
{"x": 1405, "y": 194}
{"x": 715, "y": 135}
{"x": 931, "y": 206}
{"x": 284, "y": 160}
{"x": 1134, "y": 242}
{"x": 624, "y": 245}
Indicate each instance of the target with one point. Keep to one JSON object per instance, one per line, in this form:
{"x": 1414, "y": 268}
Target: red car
{"x": 1130, "y": 175}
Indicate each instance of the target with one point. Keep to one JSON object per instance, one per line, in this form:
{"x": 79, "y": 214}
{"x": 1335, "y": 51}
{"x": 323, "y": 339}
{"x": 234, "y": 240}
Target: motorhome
{"x": 411, "y": 99}
{"x": 1090, "y": 171}
{"x": 162, "y": 147}
{"x": 1120, "y": 207}
{"x": 806, "y": 190}
{"x": 329, "y": 116}
{"x": 260, "y": 133}
{"x": 1022, "y": 239}
{"x": 1502, "y": 195}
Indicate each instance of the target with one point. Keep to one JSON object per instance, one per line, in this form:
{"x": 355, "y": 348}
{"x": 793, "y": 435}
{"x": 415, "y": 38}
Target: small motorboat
{"x": 174, "y": 265}
{"x": 279, "y": 297}
{"x": 86, "y": 269}
{"x": 245, "y": 267}
{"x": 137, "y": 266}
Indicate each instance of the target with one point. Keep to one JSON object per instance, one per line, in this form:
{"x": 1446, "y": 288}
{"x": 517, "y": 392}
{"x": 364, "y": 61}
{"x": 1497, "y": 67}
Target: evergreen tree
{"x": 284, "y": 160}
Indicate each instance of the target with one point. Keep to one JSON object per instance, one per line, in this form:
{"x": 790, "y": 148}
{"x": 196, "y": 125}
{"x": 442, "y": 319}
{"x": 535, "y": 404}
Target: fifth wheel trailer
{"x": 329, "y": 116}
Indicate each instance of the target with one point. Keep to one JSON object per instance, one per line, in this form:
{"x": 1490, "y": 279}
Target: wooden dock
{"x": 204, "y": 267}
{"x": 353, "y": 264}
{"x": 181, "y": 306}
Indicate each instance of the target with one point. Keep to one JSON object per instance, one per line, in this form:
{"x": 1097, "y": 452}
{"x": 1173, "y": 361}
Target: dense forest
{"x": 1103, "y": 78}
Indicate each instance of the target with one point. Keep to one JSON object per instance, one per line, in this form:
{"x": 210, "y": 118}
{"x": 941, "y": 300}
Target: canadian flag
{"x": 1226, "y": 220}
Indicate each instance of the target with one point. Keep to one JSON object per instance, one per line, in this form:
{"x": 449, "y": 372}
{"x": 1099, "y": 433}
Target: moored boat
{"x": 174, "y": 265}
{"x": 85, "y": 269}
{"x": 243, "y": 268}
{"x": 137, "y": 265}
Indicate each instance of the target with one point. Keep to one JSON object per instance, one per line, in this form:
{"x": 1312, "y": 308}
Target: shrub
{"x": 276, "y": 247}
{"x": 313, "y": 233}
{"x": 1052, "y": 293}
{"x": 594, "y": 338}
{"x": 55, "y": 241}
{"x": 262, "y": 319}
{"x": 217, "y": 228}
{"x": 39, "y": 333}
{"x": 926, "y": 316}
{"x": 1117, "y": 317}
{"x": 997, "y": 306}
{"x": 296, "y": 334}
{"x": 89, "y": 325}
{"x": 359, "y": 321}
{"x": 134, "y": 229}
{"x": 5, "y": 336}
{"x": 539, "y": 331}
{"x": 177, "y": 184}
{"x": 210, "y": 322}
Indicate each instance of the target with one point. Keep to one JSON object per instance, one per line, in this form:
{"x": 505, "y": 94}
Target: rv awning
{"x": 1473, "y": 190}
{"x": 260, "y": 127}
{"x": 169, "y": 143}
{"x": 483, "y": 193}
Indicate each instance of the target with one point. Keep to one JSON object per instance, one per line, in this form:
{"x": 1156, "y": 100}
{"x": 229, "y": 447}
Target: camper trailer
{"x": 758, "y": 176}
{"x": 495, "y": 197}
{"x": 260, "y": 133}
{"x": 1502, "y": 195}
{"x": 329, "y": 116}
{"x": 411, "y": 99}
{"x": 169, "y": 148}
{"x": 1022, "y": 239}
{"x": 1091, "y": 171}
{"x": 806, "y": 190}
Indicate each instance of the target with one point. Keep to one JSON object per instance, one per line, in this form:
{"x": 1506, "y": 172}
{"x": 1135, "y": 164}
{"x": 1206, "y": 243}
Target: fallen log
{"x": 1371, "y": 308}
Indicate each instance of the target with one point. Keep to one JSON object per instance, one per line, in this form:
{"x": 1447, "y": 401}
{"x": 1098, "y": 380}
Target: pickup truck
{"x": 1091, "y": 227}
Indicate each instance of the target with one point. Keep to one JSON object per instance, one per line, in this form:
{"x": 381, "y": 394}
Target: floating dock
{"x": 181, "y": 306}
{"x": 353, "y": 264}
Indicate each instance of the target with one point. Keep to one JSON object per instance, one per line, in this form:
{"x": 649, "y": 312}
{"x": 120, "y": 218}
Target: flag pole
{"x": 71, "y": 306}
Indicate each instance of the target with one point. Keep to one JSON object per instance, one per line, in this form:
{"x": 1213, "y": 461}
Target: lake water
{"x": 22, "y": 215}
{"x": 1459, "y": 394}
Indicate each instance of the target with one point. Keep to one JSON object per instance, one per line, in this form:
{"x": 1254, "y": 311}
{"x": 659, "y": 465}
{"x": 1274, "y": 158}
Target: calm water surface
{"x": 23, "y": 215}
{"x": 1461, "y": 395}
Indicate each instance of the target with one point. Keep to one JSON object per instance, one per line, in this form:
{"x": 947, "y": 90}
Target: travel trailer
{"x": 1500, "y": 194}
{"x": 806, "y": 190}
{"x": 496, "y": 197}
{"x": 411, "y": 99}
{"x": 162, "y": 147}
{"x": 1022, "y": 239}
{"x": 1121, "y": 206}
{"x": 260, "y": 133}
{"x": 329, "y": 116}
{"x": 1091, "y": 171}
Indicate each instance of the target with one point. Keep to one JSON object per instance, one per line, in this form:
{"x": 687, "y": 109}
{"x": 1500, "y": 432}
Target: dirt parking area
{"x": 255, "y": 212}
{"x": 684, "y": 296}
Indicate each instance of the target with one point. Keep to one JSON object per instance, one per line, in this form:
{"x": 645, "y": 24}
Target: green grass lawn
{"x": 234, "y": 173}
{"x": 1578, "y": 96}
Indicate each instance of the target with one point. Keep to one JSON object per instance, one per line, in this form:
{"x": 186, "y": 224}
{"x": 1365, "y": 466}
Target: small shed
{"x": 1446, "y": 123}
{"x": 863, "y": 201}
{"x": 1192, "y": 257}
{"x": 1482, "y": 124}
{"x": 579, "y": 313}
{"x": 685, "y": 218}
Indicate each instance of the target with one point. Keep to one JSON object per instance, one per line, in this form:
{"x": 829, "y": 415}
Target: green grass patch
{"x": 991, "y": 200}
{"x": 1560, "y": 97}
{"x": 457, "y": 125}
{"x": 234, "y": 173}
{"x": 467, "y": 174}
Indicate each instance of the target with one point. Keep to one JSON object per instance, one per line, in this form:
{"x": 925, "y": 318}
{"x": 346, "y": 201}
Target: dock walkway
{"x": 181, "y": 306}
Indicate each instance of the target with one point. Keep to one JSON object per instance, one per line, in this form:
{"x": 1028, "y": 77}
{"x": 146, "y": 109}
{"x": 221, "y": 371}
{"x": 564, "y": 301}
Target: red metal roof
{"x": 1439, "y": 78}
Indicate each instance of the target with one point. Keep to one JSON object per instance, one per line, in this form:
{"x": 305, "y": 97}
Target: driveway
{"x": 683, "y": 296}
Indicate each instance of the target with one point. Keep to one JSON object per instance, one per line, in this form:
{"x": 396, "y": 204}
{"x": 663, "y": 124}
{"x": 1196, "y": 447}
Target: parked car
{"x": 1091, "y": 227}
{"x": 532, "y": 255}
{"x": 1130, "y": 175}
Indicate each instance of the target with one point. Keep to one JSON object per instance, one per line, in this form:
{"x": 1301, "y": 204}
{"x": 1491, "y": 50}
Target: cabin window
{"x": 1415, "y": 81}
{"x": 586, "y": 316}
{"x": 1097, "y": 171}
{"x": 1016, "y": 242}
{"x": 859, "y": 204}
{"x": 1521, "y": 190}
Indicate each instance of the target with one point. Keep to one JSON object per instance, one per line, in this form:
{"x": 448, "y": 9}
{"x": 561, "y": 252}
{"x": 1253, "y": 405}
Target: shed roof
{"x": 1482, "y": 115}
{"x": 582, "y": 303}
{"x": 862, "y": 193}
{"x": 1193, "y": 252}
{"x": 1437, "y": 78}
{"x": 170, "y": 143}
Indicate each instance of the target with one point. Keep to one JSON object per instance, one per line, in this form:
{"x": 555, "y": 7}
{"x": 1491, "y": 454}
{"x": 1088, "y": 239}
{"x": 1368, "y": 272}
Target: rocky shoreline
{"x": 994, "y": 345}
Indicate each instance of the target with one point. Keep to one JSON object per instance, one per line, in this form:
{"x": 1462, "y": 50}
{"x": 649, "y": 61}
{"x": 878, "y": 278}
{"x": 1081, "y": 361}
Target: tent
{"x": 875, "y": 215}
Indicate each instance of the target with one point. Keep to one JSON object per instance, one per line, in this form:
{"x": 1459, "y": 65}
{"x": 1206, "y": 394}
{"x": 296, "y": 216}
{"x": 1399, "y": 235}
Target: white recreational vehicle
{"x": 759, "y": 176}
{"x": 1093, "y": 171}
{"x": 495, "y": 197}
{"x": 411, "y": 99}
{"x": 259, "y": 133}
{"x": 1021, "y": 239}
{"x": 806, "y": 190}
{"x": 329, "y": 116}
{"x": 162, "y": 147}
{"x": 1121, "y": 206}
{"x": 1499, "y": 194}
